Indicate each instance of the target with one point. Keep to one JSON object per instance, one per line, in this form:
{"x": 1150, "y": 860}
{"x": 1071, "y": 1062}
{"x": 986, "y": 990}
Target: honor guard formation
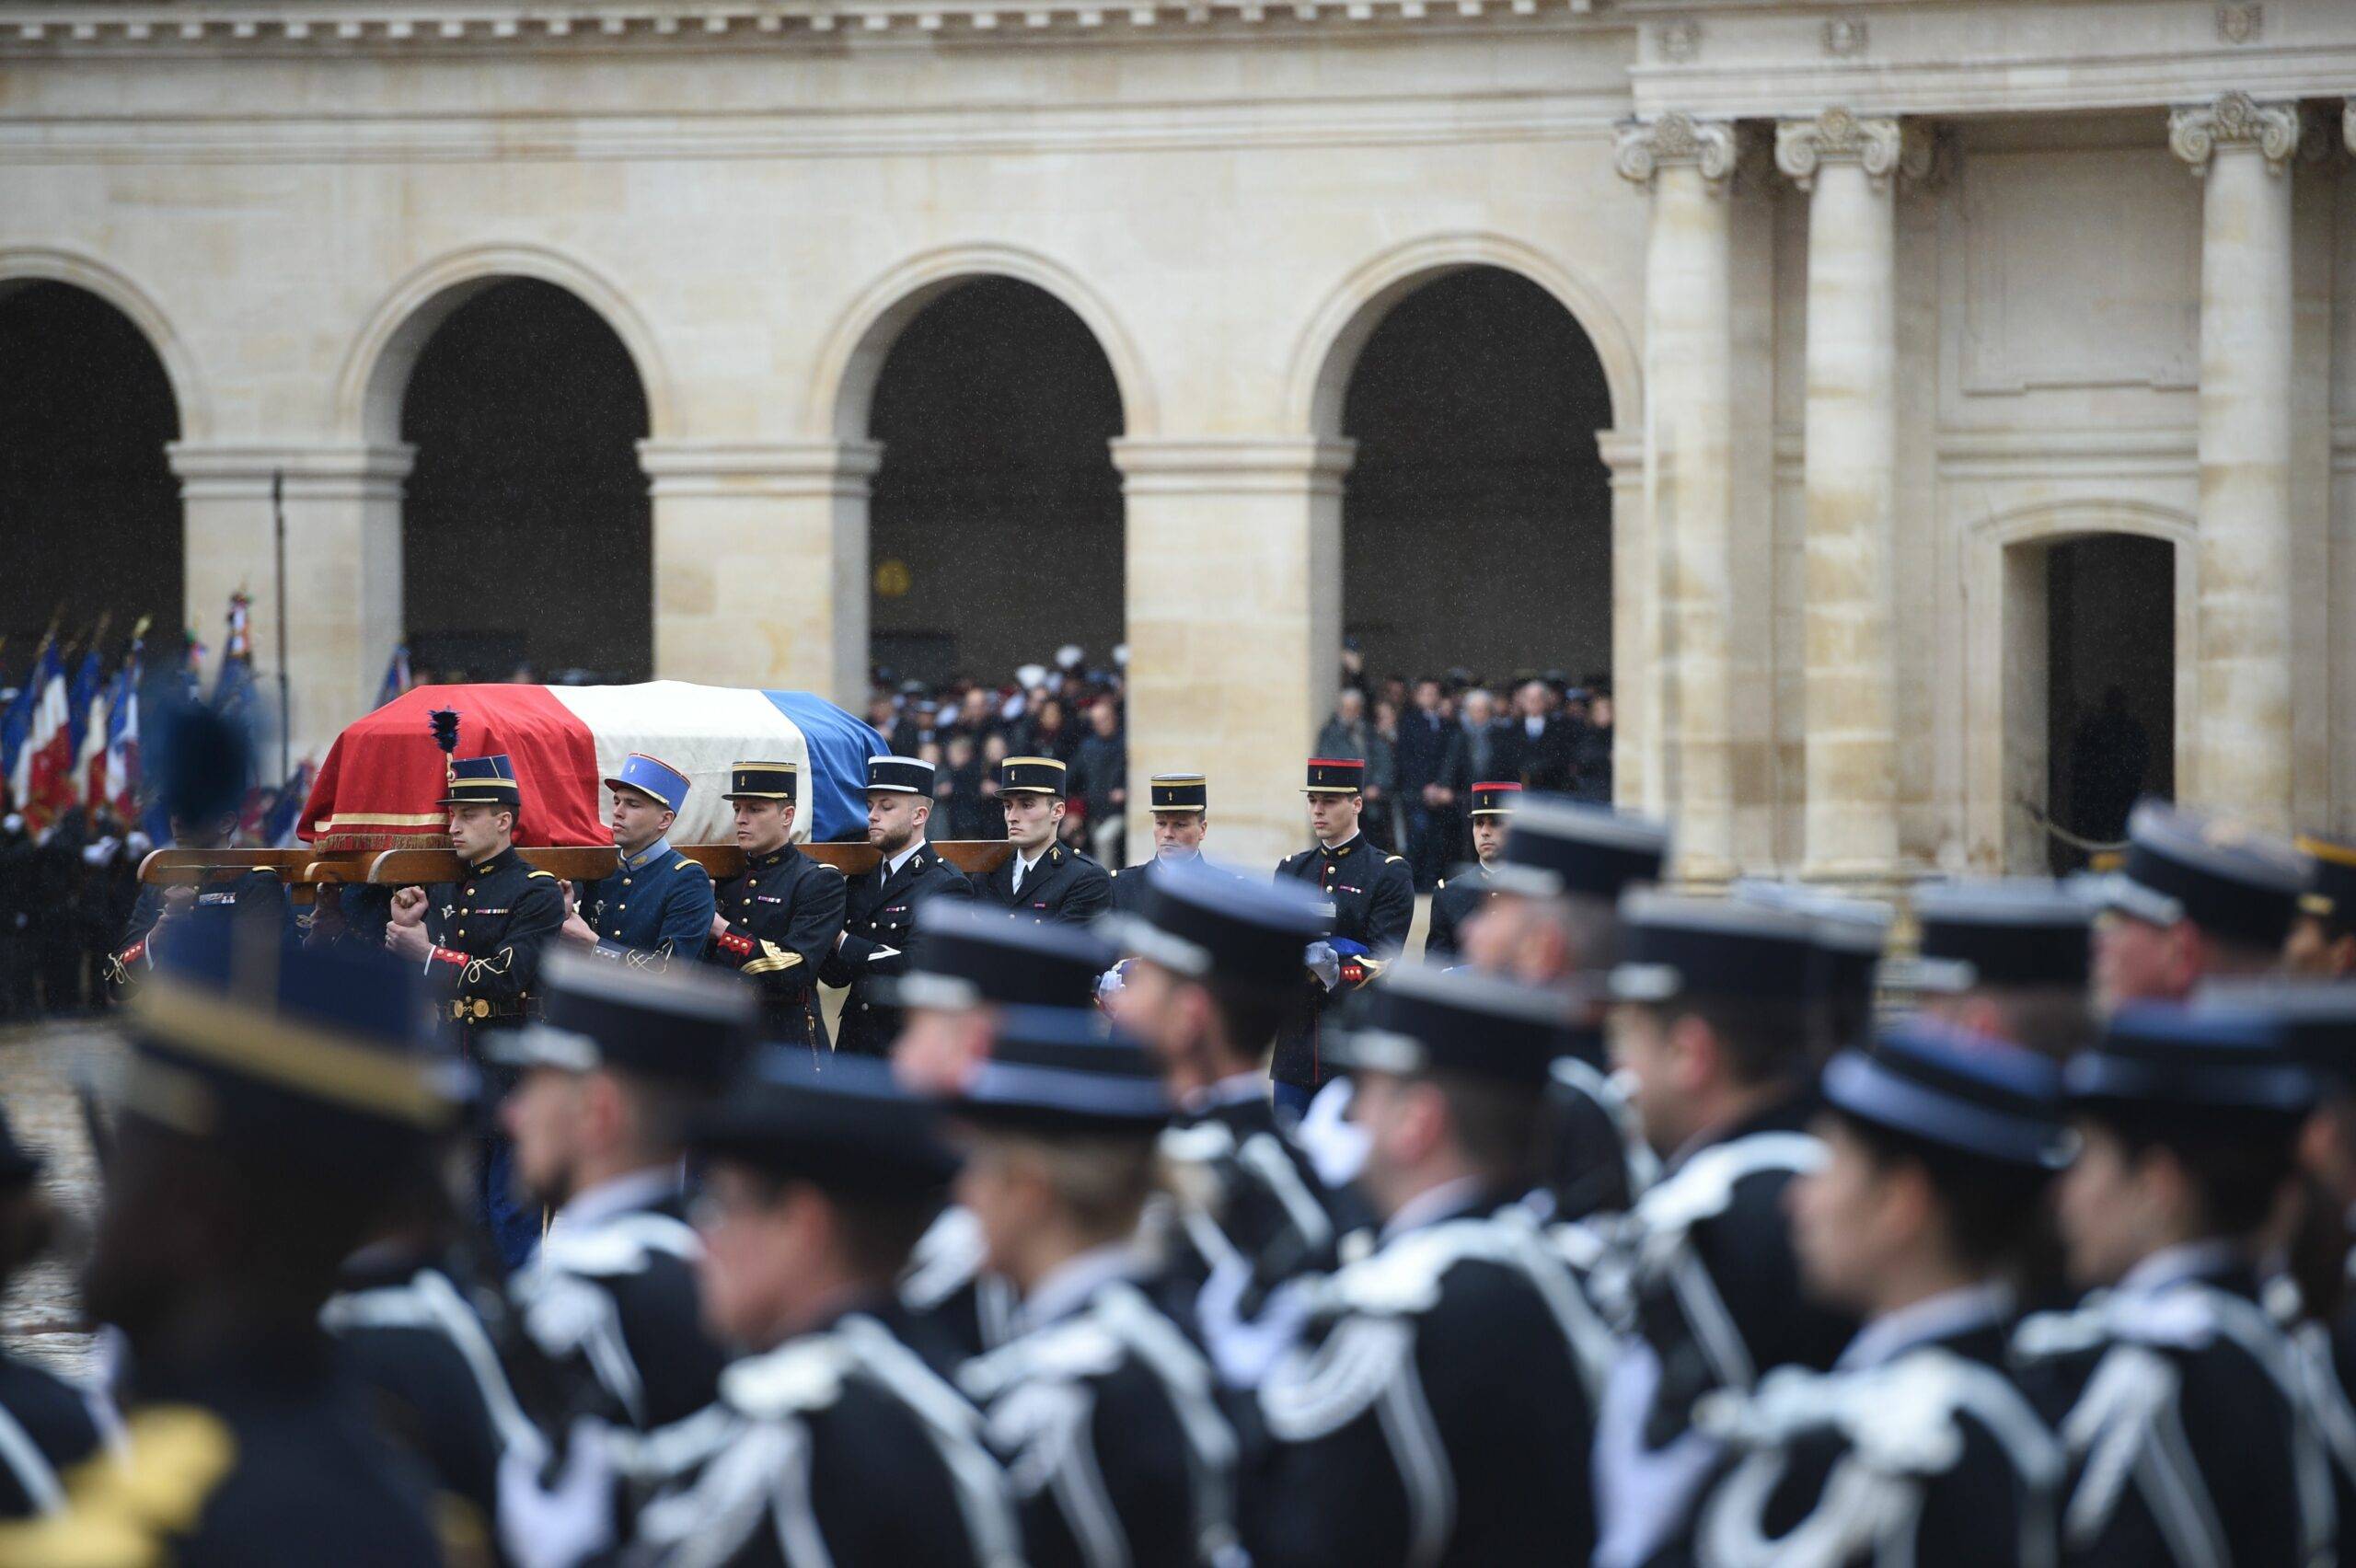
{"x": 1186, "y": 1216}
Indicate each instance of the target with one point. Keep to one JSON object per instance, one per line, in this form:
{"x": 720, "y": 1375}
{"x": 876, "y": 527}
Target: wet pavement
{"x": 39, "y": 1067}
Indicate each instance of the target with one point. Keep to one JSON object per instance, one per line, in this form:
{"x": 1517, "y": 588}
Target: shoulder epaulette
{"x": 683, "y": 864}
{"x": 120, "y": 1506}
{"x": 550, "y": 875}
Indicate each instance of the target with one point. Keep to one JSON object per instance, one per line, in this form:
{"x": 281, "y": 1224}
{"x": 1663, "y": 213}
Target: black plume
{"x": 445, "y": 728}
{"x": 201, "y": 761}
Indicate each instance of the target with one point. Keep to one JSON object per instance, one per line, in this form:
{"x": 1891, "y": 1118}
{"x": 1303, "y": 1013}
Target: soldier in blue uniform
{"x": 2199, "y": 897}
{"x": 1044, "y": 880}
{"x": 657, "y": 904}
{"x": 2323, "y": 940}
{"x": 2009, "y": 957}
{"x": 1919, "y": 1446}
{"x": 55, "y": 1426}
{"x": 266, "y": 1093}
{"x": 880, "y": 909}
{"x": 480, "y": 942}
{"x": 1181, "y": 814}
{"x": 1373, "y": 894}
{"x": 775, "y": 923}
{"x": 1459, "y": 898}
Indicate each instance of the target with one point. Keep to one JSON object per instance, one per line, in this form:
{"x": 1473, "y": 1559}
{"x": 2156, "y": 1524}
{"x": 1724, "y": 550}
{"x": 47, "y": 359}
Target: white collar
{"x": 662, "y": 846}
{"x": 892, "y": 867}
{"x": 2175, "y": 1265}
{"x": 1236, "y": 1089}
{"x": 1073, "y": 1283}
{"x": 1934, "y": 1317}
{"x": 619, "y": 1196}
{"x": 1335, "y": 848}
{"x": 1534, "y": 724}
{"x": 1433, "y": 1205}
{"x": 1031, "y": 862}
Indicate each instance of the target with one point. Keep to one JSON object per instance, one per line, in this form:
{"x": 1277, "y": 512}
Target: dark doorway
{"x": 1476, "y": 520}
{"x": 2110, "y": 693}
{"x": 995, "y": 528}
{"x": 527, "y": 535}
{"x": 90, "y": 509}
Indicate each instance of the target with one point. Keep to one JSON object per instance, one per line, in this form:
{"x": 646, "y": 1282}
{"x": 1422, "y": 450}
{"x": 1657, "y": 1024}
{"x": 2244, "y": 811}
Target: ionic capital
{"x": 1884, "y": 145}
{"x": 1643, "y": 147}
{"x": 2234, "y": 120}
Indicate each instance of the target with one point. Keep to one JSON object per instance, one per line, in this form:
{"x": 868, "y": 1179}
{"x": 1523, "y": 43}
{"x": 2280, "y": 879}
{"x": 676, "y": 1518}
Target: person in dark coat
{"x": 60, "y": 1424}
{"x": 1101, "y": 774}
{"x": 1181, "y": 811}
{"x": 1419, "y": 764}
{"x": 1534, "y": 742}
{"x": 880, "y": 905}
{"x": 1043, "y": 880}
{"x": 1459, "y": 898}
{"x": 1939, "y": 1145}
{"x": 1440, "y": 1406}
{"x": 776, "y": 922}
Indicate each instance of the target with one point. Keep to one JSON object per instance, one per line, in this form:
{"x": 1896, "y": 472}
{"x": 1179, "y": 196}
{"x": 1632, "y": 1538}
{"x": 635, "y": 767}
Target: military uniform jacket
{"x": 46, "y": 1428}
{"x": 839, "y": 1447}
{"x": 783, "y": 916}
{"x": 952, "y": 1307}
{"x": 2181, "y": 1416}
{"x": 489, "y": 932}
{"x": 1128, "y": 888}
{"x": 271, "y": 1459}
{"x": 877, "y": 915}
{"x": 416, "y": 1342}
{"x": 1112, "y": 1434}
{"x": 1065, "y": 888}
{"x": 1438, "y": 1410}
{"x": 1374, "y": 905}
{"x": 611, "y": 1303}
{"x": 131, "y": 963}
{"x": 1932, "y": 1457}
{"x": 654, "y": 907}
{"x": 1454, "y": 901}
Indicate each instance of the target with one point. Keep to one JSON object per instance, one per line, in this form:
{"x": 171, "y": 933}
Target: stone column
{"x": 1850, "y": 166}
{"x": 343, "y": 570}
{"x": 760, "y": 563}
{"x": 1635, "y": 624}
{"x": 1234, "y": 625}
{"x": 1688, "y": 415}
{"x": 2242, "y": 753}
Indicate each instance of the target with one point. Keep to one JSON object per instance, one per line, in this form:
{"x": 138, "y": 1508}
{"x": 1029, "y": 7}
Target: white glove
{"x": 1334, "y": 1144}
{"x": 1112, "y": 980}
{"x": 558, "y": 1528}
{"x": 1325, "y": 962}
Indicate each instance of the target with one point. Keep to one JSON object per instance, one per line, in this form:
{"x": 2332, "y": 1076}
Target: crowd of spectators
{"x": 65, "y": 893}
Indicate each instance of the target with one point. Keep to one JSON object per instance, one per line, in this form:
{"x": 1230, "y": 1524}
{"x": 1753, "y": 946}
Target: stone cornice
{"x": 1232, "y": 465}
{"x": 752, "y": 468}
{"x": 2234, "y": 120}
{"x": 1642, "y": 147}
{"x": 425, "y": 27}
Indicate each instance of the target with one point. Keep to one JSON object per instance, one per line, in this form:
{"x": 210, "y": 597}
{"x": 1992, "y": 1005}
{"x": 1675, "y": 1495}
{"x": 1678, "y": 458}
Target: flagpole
{"x": 285, "y": 710}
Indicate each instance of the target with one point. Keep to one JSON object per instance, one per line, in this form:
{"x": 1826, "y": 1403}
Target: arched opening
{"x": 90, "y": 507}
{"x": 2111, "y": 685}
{"x": 995, "y": 524}
{"x": 527, "y": 530}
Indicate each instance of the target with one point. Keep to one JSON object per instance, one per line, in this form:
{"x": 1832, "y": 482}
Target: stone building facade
{"x": 1905, "y": 312}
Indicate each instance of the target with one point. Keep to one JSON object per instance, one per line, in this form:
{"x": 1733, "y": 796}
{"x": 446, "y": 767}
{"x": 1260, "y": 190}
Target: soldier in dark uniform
{"x": 1103, "y": 1410}
{"x": 966, "y": 966}
{"x": 1939, "y": 1147}
{"x": 1043, "y": 880}
{"x": 1440, "y": 1409}
{"x": 480, "y": 942}
{"x": 1216, "y": 976}
{"x": 1711, "y": 1024}
{"x": 2186, "y": 1426}
{"x": 54, "y": 1425}
{"x": 2199, "y": 898}
{"x": 1181, "y": 814}
{"x": 2323, "y": 940}
{"x": 267, "y": 1092}
{"x": 656, "y": 905}
{"x": 1847, "y": 940}
{"x": 2007, "y": 957}
{"x": 832, "y": 1441}
{"x": 611, "y": 1079}
{"x": 1457, "y": 900}
{"x": 776, "y": 924}
{"x": 880, "y": 905}
{"x": 159, "y": 909}
{"x": 1373, "y": 895}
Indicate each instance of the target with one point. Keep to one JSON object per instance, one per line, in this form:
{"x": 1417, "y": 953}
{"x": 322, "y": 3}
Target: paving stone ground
{"x": 38, "y": 1067}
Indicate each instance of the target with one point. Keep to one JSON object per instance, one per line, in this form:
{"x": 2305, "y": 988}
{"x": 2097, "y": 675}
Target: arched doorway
{"x": 995, "y": 522}
{"x": 2111, "y": 685}
{"x": 527, "y": 536}
{"x": 90, "y": 507}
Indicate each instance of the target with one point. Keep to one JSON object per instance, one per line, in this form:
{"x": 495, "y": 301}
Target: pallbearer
{"x": 1457, "y": 900}
{"x": 1181, "y": 814}
{"x": 879, "y": 911}
{"x": 657, "y": 904}
{"x": 1043, "y": 880}
{"x": 777, "y": 922}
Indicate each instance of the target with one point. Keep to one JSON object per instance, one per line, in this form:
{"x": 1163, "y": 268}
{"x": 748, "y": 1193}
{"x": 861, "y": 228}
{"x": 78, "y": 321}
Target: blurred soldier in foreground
{"x": 266, "y": 1092}
{"x": 1455, "y": 901}
{"x": 1917, "y": 1446}
{"x": 1847, "y": 939}
{"x": 1103, "y": 1411}
{"x": 2178, "y": 1398}
{"x": 51, "y": 1425}
{"x": 777, "y": 922}
{"x": 880, "y": 905}
{"x": 1373, "y": 896}
{"x": 1043, "y": 880}
{"x": 656, "y": 905}
{"x": 2323, "y": 939}
{"x": 1180, "y": 815}
{"x": 2010, "y": 958}
{"x": 2199, "y": 898}
{"x": 1442, "y": 1409}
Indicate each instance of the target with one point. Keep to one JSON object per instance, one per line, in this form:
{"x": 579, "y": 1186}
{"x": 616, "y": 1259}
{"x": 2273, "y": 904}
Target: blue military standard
{"x": 657, "y": 904}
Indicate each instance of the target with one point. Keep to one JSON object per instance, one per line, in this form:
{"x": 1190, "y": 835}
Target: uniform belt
{"x": 475, "y": 1010}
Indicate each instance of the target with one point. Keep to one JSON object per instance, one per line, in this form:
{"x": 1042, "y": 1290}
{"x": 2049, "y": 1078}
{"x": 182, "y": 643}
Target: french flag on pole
{"x": 43, "y": 783}
{"x": 114, "y": 777}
